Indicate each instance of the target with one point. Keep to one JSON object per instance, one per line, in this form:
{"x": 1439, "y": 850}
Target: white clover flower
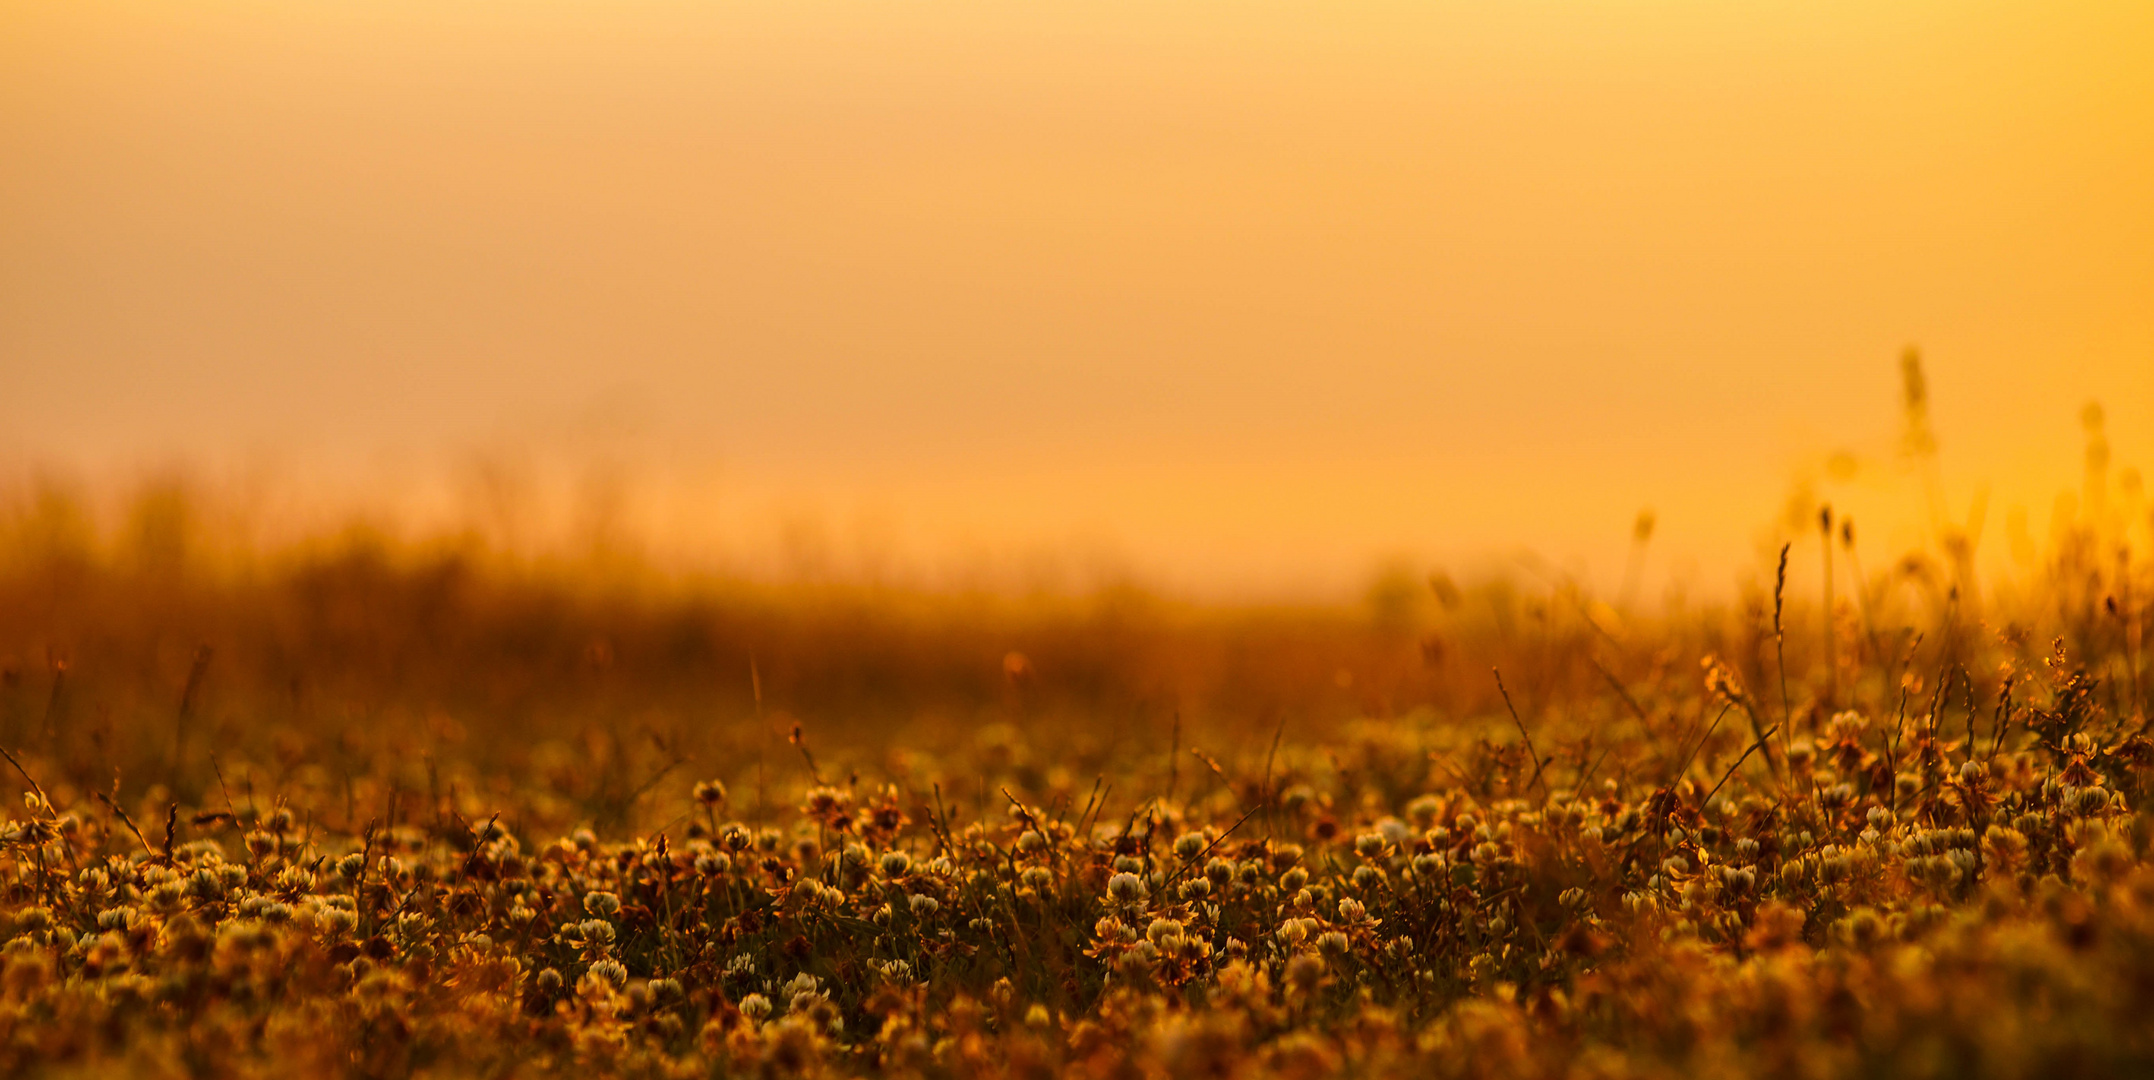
{"x": 1126, "y": 888}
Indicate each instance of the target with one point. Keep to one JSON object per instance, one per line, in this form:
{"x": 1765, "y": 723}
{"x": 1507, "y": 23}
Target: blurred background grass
{"x": 149, "y": 648}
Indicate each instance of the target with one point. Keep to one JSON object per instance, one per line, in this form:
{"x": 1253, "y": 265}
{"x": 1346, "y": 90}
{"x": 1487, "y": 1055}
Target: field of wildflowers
{"x": 376, "y": 811}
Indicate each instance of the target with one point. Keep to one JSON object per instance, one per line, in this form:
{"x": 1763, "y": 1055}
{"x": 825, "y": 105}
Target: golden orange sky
{"x": 1243, "y": 295}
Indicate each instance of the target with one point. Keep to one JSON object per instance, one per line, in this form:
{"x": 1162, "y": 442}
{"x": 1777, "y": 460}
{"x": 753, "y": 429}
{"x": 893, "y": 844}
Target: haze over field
{"x": 1238, "y": 296}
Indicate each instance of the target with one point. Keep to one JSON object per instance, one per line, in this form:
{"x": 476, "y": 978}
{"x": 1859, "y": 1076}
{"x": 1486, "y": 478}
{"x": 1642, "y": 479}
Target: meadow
{"x": 375, "y": 807}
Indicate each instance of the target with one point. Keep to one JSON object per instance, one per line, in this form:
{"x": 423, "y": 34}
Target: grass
{"x": 378, "y": 810}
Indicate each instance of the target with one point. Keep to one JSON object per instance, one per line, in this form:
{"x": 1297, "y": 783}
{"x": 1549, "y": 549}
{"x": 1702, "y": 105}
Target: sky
{"x": 1239, "y": 297}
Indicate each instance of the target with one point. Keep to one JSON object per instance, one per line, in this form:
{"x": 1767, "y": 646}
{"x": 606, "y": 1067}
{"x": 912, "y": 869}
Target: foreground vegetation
{"x": 377, "y": 811}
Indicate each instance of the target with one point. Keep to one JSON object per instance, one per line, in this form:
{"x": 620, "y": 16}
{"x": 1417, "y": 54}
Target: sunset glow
{"x": 1238, "y": 295}
{"x": 1114, "y": 540}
